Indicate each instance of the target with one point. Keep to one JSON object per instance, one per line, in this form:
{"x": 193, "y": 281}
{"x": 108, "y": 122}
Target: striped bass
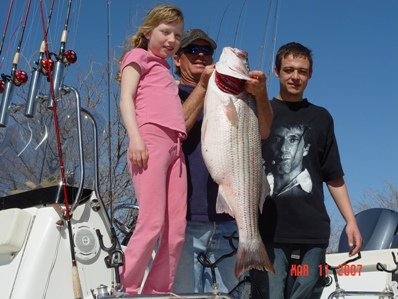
{"x": 231, "y": 149}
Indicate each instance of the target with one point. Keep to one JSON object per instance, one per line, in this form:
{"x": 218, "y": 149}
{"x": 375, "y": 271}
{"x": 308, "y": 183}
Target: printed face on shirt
{"x": 293, "y": 77}
{"x": 165, "y": 39}
{"x": 288, "y": 148}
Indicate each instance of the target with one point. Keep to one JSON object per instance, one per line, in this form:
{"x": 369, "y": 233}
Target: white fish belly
{"x": 232, "y": 153}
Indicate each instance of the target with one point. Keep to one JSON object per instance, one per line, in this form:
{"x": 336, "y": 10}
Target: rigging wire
{"x": 237, "y": 25}
{"x": 272, "y": 43}
{"x": 222, "y": 19}
{"x": 267, "y": 42}
{"x": 265, "y": 34}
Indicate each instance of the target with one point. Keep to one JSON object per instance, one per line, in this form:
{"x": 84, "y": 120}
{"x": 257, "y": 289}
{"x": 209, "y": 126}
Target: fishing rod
{"x": 273, "y": 30}
{"x": 16, "y": 78}
{"x": 64, "y": 58}
{"x": 221, "y": 21}
{"x": 273, "y": 43}
{"x": 3, "y": 37}
{"x": 237, "y": 25}
{"x": 44, "y": 67}
{"x": 6, "y": 25}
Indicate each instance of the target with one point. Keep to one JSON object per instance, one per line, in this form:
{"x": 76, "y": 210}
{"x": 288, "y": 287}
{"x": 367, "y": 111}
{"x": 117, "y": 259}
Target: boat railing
{"x": 390, "y": 291}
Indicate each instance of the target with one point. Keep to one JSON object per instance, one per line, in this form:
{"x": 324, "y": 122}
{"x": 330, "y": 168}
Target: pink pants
{"x": 161, "y": 192}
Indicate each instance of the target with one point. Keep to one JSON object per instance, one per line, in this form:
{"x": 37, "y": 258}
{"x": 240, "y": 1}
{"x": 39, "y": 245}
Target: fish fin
{"x": 231, "y": 113}
{"x": 265, "y": 189}
{"x": 252, "y": 255}
{"x": 221, "y": 205}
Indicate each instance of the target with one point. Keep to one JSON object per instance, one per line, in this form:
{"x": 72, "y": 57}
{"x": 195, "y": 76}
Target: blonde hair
{"x": 159, "y": 14}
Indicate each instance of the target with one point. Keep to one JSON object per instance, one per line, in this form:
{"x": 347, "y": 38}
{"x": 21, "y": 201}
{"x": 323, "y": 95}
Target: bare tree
{"x": 28, "y": 150}
{"x": 384, "y": 198}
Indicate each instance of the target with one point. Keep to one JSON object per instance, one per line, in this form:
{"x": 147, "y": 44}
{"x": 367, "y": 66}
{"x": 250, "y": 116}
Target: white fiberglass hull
{"x": 42, "y": 267}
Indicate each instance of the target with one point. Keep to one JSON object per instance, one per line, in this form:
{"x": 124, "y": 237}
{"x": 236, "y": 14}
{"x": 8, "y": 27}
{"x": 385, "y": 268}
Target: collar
{"x": 303, "y": 179}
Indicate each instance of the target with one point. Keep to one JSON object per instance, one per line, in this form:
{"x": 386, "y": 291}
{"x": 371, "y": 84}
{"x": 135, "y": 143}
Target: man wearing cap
{"x": 206, "y": 229}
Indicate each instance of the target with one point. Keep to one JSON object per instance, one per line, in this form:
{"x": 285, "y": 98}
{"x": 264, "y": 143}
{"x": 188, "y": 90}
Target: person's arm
{"x": 137, "y": 152}
{"x": 256, "y": 86}
{"x": 338, "y": 190}
{"x": 194, "y": 103}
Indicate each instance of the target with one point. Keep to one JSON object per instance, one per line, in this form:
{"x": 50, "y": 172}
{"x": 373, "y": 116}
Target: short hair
{"x": 296, "y": 50}
{"x": 304, "y": 128}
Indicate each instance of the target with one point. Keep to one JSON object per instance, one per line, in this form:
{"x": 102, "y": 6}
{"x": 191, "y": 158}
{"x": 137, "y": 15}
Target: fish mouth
{"x": 229, "y": 84}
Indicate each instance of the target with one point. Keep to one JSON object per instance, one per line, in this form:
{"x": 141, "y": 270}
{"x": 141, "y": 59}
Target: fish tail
{"x": 252, "y": 257}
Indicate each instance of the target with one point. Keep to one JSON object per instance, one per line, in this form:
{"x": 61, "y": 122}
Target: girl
{"x": 153, "y": 117}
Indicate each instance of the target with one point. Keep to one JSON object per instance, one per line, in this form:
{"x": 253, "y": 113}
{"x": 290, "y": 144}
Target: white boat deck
{"x": 361, "y": 278}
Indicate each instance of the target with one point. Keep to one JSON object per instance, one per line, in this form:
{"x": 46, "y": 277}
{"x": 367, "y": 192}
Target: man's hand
{"x": 354, "y": 238}
{"x": 204, "y": 78}
{"x": 256, "y": 85}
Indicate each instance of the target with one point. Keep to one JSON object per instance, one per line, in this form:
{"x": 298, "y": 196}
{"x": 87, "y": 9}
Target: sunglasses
{"x": 196, "y": 49}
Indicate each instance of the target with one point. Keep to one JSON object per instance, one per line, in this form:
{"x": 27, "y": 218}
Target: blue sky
{"x": 354, "y": 42}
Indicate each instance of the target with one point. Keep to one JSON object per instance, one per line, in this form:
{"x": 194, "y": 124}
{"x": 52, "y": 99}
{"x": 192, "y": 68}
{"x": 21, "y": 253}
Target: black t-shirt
{"x": 299, "y": 155}
{"x": 202, "y": 190}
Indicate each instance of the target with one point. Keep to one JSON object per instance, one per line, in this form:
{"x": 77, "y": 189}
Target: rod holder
{"x": 57, "y": 81}
{"x": 5, "y": 102}
{"x": 31, "y": 102}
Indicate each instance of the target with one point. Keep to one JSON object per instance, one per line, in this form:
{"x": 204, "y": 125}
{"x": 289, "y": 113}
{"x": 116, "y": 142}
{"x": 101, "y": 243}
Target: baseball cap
{"x": 193, "y": 34}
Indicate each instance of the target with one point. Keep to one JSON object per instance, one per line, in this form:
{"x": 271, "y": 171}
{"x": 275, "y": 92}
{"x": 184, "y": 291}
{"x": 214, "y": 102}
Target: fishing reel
{"x": 21, "y": 77}
{"x": 47, "y": 66}
{"x": 68, "y": 58}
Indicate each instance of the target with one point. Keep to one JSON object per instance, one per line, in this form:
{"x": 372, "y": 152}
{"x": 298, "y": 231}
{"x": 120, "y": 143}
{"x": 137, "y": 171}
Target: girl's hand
{"x": 138, "y": 152}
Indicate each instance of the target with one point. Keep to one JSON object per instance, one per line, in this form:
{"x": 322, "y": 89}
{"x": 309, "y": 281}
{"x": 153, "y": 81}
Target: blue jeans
{"x": 206, "y": 237}
{"x": 297, "y": 273}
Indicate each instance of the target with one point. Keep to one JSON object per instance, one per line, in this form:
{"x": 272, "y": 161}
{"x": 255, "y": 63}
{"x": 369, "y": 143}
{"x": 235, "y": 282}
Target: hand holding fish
{"x": 204, "y": 78}
{"x": 256, "y": 85}
{"x": 194, "y": 103}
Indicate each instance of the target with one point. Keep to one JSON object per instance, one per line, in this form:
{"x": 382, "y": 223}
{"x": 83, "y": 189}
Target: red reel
{"x": 21, "y": 77}
{"x": 47, "y": 66}
{"x": 1, "y": 86}
{"x": 70, "y": 57}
